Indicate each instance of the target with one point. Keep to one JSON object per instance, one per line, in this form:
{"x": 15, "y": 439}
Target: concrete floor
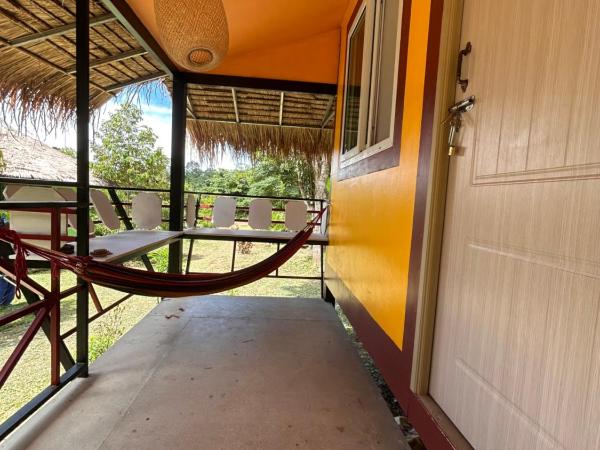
{"x": 227, "y": 373}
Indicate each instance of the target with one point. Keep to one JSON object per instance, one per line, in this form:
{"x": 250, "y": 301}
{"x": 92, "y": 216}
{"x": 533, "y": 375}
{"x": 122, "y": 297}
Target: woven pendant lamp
{"x": 194, "y": 32}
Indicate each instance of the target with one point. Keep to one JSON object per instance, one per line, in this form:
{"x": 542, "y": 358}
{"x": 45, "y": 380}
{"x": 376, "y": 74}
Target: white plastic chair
{"x": 37, "y": 223}
{"x": 71, "y": 196}
{"x": 105, "y": 209}
{"x": 223, "y": 215}
{"x": 146, "y": 210}
{"x": 260, "y": 215}
{"x": 190, "y": 211}
{"x": 295, "y": 215}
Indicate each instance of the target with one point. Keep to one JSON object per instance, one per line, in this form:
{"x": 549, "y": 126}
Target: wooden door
{"x": 516, "y": 359}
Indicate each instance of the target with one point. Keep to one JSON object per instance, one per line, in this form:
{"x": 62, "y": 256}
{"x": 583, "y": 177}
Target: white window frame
{"x": 372, "y": 9}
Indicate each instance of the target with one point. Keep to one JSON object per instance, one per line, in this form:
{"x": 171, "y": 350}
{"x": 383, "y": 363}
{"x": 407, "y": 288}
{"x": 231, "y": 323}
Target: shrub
{"x": 109, "y": 331}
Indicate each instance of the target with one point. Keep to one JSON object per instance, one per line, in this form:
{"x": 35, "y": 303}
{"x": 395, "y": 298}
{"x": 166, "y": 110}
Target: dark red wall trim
{"x": 389, "y": 157}
{"x": 396, "y": 364}
{"x": 393, "y": 363}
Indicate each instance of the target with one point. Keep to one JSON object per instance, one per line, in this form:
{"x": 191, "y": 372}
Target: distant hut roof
{"x": 28, "y": 158}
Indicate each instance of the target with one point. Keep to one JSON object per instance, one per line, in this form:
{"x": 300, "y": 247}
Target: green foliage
{"x": 108, "y": 333}
{"x": 68, "y": 151}
{"x": 126, "y": 154}
{"x": 160, "y": 259}
{"x": 267, "y": 176}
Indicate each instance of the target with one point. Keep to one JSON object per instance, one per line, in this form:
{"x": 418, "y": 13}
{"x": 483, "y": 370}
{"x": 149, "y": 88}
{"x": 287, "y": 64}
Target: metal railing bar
{"x": 113, "y": 305}
{"x": 29, "y": 408}
{"x": 29, "y": 181}
{"x": 36, "y": 205}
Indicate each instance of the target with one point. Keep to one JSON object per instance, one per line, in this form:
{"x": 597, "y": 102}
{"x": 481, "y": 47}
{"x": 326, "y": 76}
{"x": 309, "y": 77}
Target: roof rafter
{"x": 329, "y": 113}
{"x": 113, "y": 58}
{"x": 235, "y": 105}
{"x": 124, "y": 84}
{"x": 281, "y": 108}
{"x": 260, "y": 124}
{"x": 190, "y": 107}
{"x": 51, "y": 64}
{"x": 58, "y": 31}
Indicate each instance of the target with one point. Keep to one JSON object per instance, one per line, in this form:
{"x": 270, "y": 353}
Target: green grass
{"x": 32, "y": 374}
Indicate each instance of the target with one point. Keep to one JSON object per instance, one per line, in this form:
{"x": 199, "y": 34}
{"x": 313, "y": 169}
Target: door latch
{"x": 455, "y": 120}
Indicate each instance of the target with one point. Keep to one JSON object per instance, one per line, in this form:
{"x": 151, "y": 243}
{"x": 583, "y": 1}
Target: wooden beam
{"x": 124, "y": 84}
{"x": 329, "y": 113}
{"x": 82, "y": 82}
{"x": 58, "y": 31}
{"x": 114, "y": 58}
{"x": 177, "y": 174}
{"x": 235, "y": 105}
{"x": 132, "y": 23}
{"x": 304, "y": 87}
{"x": 190, "y": 107}
{"x": 281, "y": 108}
{"x": 258, "y": 124}
{"x": 50, "y": 64}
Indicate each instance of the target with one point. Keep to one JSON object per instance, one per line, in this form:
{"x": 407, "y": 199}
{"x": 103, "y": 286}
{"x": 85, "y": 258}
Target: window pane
{"x": 353, "y": 86}
{"x": 386, "y": 76}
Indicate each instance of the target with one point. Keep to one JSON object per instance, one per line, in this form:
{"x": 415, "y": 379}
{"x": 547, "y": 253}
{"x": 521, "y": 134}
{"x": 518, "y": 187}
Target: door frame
{"x": 436, "y": 197}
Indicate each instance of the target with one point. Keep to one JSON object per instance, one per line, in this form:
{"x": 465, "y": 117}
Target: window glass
{"x": 353, "y": 86}
{"x": 385, "y": 76}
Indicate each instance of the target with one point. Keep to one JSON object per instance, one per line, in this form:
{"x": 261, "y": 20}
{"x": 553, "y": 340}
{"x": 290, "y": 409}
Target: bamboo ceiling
{"x": 253, "y": 120}
{"x": 37, "y": 85}
{"x": 37, "y": 58}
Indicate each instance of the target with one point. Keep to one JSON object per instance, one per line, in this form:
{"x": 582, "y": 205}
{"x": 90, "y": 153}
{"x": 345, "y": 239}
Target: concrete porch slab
{"x": 222, "y": 373}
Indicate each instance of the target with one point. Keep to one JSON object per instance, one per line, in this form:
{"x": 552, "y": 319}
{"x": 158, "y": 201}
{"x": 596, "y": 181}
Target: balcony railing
{"x": 44, "y": 303}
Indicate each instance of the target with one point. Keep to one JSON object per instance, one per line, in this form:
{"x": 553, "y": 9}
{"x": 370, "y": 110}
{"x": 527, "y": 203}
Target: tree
{"x": 68, "y": 151}
{"x": 126, "y": 154}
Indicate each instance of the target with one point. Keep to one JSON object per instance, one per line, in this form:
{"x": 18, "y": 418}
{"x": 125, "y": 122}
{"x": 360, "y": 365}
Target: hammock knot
{"x": 20, "y": 264}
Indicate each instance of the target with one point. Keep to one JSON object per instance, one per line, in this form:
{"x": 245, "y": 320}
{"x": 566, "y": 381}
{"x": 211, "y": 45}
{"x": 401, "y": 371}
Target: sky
{"x": 156, "y": 107}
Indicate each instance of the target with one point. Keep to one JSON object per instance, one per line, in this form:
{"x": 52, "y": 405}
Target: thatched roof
{"x": 28, "y": 158}
{"x": 252, "y": 120}
{"x": 37, "y": 84}
{"x": 37, "y": 58}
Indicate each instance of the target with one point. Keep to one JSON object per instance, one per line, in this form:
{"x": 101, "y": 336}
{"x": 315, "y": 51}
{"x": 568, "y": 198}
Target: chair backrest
{"x": 146, "y": 211}
{"x": 105, "y": 209}
{"x": 223, "y": 214}
{"x": 37, "y": 223}
{"x": 71, "y": 196}
{"x": 260, "y": 215}
{"x": 11, "y": 189}
{"x": 295, "y": 215}
{"x": 190, "y": 211}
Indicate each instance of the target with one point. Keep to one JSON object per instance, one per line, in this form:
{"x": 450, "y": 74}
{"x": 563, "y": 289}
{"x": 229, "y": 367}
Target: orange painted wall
{"x": 372, "y": 215}
{"x": 295, "y": 40}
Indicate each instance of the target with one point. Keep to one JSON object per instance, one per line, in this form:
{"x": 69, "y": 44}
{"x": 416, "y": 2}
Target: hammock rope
{"x": 142, "y": 282}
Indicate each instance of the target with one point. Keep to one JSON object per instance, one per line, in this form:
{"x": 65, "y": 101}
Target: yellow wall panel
{"x": 372, "y": 215}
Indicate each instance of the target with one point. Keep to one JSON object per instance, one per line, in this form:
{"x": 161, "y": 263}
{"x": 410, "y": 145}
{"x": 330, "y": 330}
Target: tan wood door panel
{"x": 516, "y": 358}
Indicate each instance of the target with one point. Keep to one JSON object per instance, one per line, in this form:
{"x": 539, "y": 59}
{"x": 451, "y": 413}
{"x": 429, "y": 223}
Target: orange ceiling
{"x": 283, "y": 39}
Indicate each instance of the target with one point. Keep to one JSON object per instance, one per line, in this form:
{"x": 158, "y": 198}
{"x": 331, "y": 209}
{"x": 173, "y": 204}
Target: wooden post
{"x": 82, "y": 66}
{"x": 178, "y": 126}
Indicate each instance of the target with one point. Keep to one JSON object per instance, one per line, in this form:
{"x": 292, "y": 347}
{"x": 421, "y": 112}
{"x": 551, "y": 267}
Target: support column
{"x": 82, "y": 65}
{"x": 178, "y": 126}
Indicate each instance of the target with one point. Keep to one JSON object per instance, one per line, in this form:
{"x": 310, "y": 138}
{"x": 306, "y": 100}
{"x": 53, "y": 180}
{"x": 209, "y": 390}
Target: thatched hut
{"x": 28, "y": 158}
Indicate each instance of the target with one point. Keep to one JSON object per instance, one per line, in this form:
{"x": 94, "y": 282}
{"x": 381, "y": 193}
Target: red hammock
{"x": 142, "y": 282}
